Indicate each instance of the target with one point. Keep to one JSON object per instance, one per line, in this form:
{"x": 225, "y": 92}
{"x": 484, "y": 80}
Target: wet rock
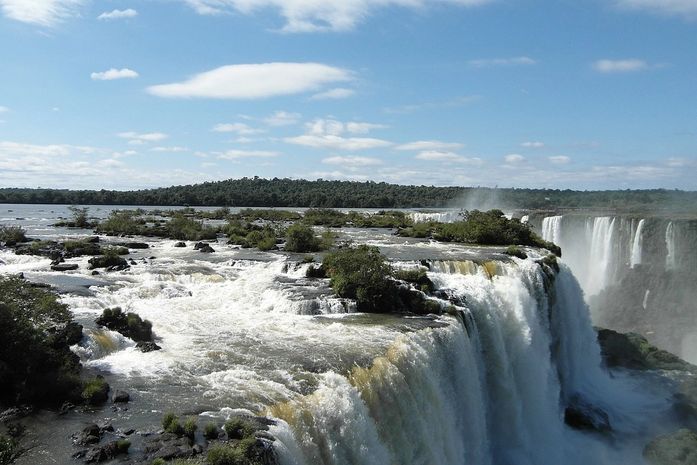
{"x": 135, "y": 245}
{"x": 118, "y": 267}
{"x": 69, "y": 335}
{"x": 65, "y": 408}
{"x": 147, "y": 346}
{"x": 65, "y": 267}
{"x": 180, "y": 244}
{"x": 203, "y": 247}
{"x": 581, "y": 414}
{"x": 90, "y": 435}
{"x": 108, "y": 261}
{"x": 107, "y": 452}
{"x": 132, "y": 262}
{"x": 96, "y": 391}
{"x": 168, "y": 446}
{"x": 92, "y": 239}
{"x": 679, "y": 448}
{"x": 129, "y": 324}
{"x": 630, "y": 350}
{"x": 120, "y": 396}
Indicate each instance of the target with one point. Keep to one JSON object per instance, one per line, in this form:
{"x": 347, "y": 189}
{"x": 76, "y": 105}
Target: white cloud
{"x": 686, "y": 8}
{"x": 337, "y": 142}
{"x": 620, "y": 66}
{"x": 333, "y": 127}
{"x": 173, "y": 149}
{"x": 442, "y": 156}
{"x": 142, "y": 138}
{"x": 114, "y": 73}
{"x": 334, "y": 94}
{"x": 237, "y": 128}
{"x": 496, "y": 62}
{"x": 40, "y": 12}
{"x": 514, "y": 158}
{"x": 317, "y": 16}
{"x": 352, "y": 162}
{"x": 559, "y": 159}
{"x": 282, "y": 118}
{"x": 533, "y": 145}
{"x": 254, "y": 81}
{"x": 4, "y": 109}
{"x": 425, "y": 145}
{"x": 118, "y": 14}
{"x": 237, "y": 154}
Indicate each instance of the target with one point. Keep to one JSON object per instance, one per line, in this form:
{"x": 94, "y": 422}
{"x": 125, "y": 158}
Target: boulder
{"x": 107, "y": 261}
{"x": 678, "y": 448}
{"x": 120, "y": 396}
{"x": 631, "y": 350}
{"x": 135, "y": 245}
{"x": 581, "y": 414}
{"x": 90, "y": 435}
{"x": 180, "y": 244}
{"x": 64, "y": 267}
{"x": 147, "y": 346}
{"x": 107, "y": 452}
{"x": 203, "y": 247}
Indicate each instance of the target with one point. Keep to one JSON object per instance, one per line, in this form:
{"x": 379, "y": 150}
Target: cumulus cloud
{"x": 513, "y": 158}
{"x": 254, "y": 81}
{"x": 142, "y": 138}
{"x": 40, "y": 12}
{"x": 173, "y": 149}
{"x": 318, "y": 16}
{"x": 118, "y": 14}
{"x": 329, "y": 134}
{"x": 113, "y": 73}
{"x": 352, "y": 161}
{"x": 441, "y": 156}
{"x": 533, "y": 145}
{"x": 620, "y": 66}
{"x": 282, "y": 118}
{"x": 685, "y": 8}
{"x": 334, "y": 94}
{"x": 421, "y": 145}
{"x": 237, "y": 154}
{"x": 559, "y": 159}
{"x": 238, "y": 128}
{"x": 497, "y": 62}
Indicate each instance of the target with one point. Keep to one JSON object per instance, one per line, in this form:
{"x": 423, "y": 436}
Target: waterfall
{"x": 551, "y": 229}
{"x": 488, "y": 390}
{"x": 600, "y": 258}
{"x": 670, "y": 247}
{"x": 441, "y": 217}
{"x": 636, "y": 245}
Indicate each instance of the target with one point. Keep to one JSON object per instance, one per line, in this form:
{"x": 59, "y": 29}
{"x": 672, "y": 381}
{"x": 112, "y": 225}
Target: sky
{"x": 130, "y": 94}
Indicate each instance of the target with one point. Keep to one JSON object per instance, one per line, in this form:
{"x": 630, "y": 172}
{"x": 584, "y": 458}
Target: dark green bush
{"x": 36, "y": 364}
{"x": 190, "y": 426}
{"x": 12, "y": 234}
{"x": 95, "y": 391}
{"x": 417, "y": 277}
{"x": 225, "y": 454}
{"x": 301, "y": 239}
{"x": 363, "y": 274}
{"x": 181, "y": 227}
{"x": 129, "y": 324}
{"x": 9, "y": 450}
{"x": 80, "y": 217}
{"x": 515, "y": 251}
{"x": 210, "y": 431}
{"x": 325, "y": 217}
{"x": 238, "y": 428}
{"x": 170, "y": 423}
{"x": 122, "y": 446}
{"x": 122, "y": 222}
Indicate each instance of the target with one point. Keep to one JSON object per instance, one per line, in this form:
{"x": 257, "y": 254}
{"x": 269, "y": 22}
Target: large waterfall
{"x": 488, "y": 389}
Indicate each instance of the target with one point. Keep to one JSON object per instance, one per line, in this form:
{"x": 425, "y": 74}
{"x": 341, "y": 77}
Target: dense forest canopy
{"x": 259, "y": 192}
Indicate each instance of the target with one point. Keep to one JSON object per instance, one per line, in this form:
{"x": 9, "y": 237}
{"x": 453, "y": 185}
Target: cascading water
{"x": 489, "y": 389}
{"x": 670, "y": 247}
{"x": 600, "y": 258}
{"x": 637, "y": 245}
{"x": 551, "y": 229}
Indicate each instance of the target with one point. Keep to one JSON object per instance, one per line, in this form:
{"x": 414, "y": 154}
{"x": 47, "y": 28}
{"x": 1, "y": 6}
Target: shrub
{"x": 12, "y": 234}
{"x": 363, "y": 274}
{"x": 36, "y": 364}
{"x": 325, "y": 217}
{"x": 183, "y": 228}
{"x": 9, "y": 450}
{"x": 225, "y": 454}
{"x": 301, "y": 239}
{"x": 315, "y": 272}
{"x": 190, "y": 427}
{"x": 121, "y": 222}
{"x": 158, "y": 461}
{"x": 210, "y": 431}
{"x": 95, "y": 391}
{"x": 239, "y": 428}
{"x": 417, "y": 277}
{"x": 80, "y": 218}
{"x": 515, "y": 251}
{"x": 171, "y": 424}
{"x": 122, "y": 446}
{"x": 129, "y": 324}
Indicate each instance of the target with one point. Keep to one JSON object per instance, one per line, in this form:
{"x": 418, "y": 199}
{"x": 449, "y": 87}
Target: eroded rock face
{"x": 678, "y": 448}
{"x": 581, "y": 414}
{"x": 110, "y": 262}
{"x": 633, "y": 351}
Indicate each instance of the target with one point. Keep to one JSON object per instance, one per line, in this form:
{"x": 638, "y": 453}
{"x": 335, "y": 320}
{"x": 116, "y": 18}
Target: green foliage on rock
{"x": 9, "y": 450}
{"x": 301, "y": 239}
{"x": 36, "y": 364}
{"x": 129, "y": 324}
{"x": 95, "y": 391}
{"x": 362, "y": 273}
{"x": 211, "y": 431}
{"x": 515, "y": 251}
{"x": 181, "y": 227}
{"x": 239, "y": 427}
{"x": 190, "y": 426}
{"x": 418, "y": 277}
{"x": 170, "y": 423}
{"x": 12, "y": 235}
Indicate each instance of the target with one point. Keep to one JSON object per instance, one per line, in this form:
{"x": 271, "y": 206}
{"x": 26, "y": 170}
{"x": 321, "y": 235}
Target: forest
{"x": 276, "y": 192}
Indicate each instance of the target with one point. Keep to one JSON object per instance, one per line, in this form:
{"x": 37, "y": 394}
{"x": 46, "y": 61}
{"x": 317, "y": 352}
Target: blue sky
{"x": 127, "y": 94}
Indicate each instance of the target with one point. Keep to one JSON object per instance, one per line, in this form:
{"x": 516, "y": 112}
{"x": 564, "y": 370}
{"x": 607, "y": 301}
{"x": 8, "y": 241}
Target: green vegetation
{"x": 183, "y": 228}
{"x": 363, "y": 274}
{"x": 36, "y": 364}
{"x": 251, "y": 214}
{"x": 210, "y": 431}
{"x": 122, "y": 446}
{"x": 515, "y": 251}
{"x": 129, "y": 324}
{"x": 122, "y": 222}
{"x": 242, "y": 453}
{"x": 80, "y": 218}
{"x": 12, "y": 235}
{"x": 9, "y": 450}
{"x": 238, "y": 428}
{"x": 486, "y": 228}
{"x": 95, "y": 391}
{"x": 418, "y": 277}
{"x": 258, "y": 192}
{"x": 301, "y": 239}
{"x": 190, "y": 426}
{"x": 158, "y": 461}
{"x": 170, "y": 423}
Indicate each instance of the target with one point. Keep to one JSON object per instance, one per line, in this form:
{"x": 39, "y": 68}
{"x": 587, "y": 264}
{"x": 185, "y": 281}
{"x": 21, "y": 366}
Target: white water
{"x": 442, "y": 217}
{"x": 670, "y": 247}
{"x": 551, "y": 229}
{"x": 637, "y": 245}
{"x": 488, "y": 394}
